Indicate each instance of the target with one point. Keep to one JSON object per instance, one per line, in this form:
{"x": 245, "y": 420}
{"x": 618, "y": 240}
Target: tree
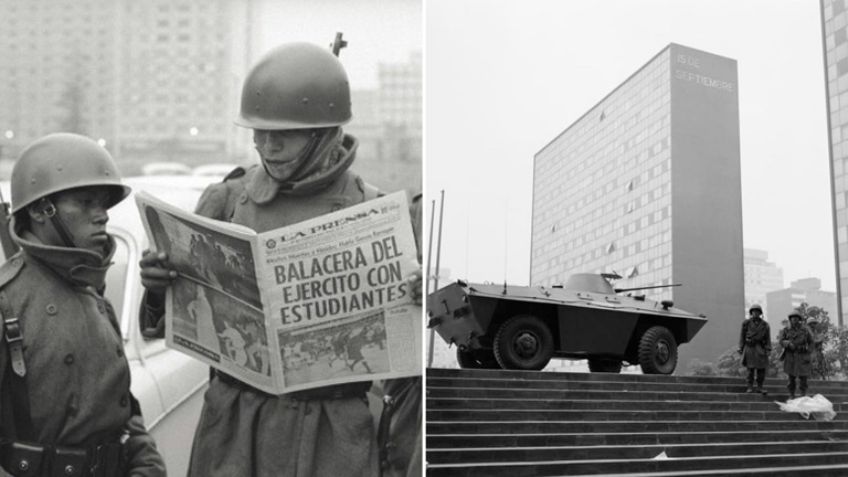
{"x": 702, "y": 368}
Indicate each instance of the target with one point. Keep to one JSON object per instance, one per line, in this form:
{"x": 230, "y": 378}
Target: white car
{"x": 213, "y": 171}
{"x": 165, "y": 169}
{"x": 168, "y": 384}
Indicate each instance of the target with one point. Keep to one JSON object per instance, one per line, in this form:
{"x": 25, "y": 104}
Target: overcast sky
{"x": 504, "y": 77}
{"x": 377, "y": 31}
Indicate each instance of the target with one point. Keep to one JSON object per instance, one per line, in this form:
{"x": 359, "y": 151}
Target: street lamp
{"x": 101, "y": 142}
{"x": 193, "y": 131}
{"x": 10, "y": 134}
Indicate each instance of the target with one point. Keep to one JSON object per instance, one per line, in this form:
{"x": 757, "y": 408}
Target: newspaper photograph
{"x": 211, "y": 257}
{"x": 321, "y": 302}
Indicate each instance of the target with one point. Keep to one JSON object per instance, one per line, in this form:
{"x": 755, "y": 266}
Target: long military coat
{"x": 797, "y": 360}
{"x": 244, "y": 432}
{"x": 755, "y": 343}
{"x": 78, "y": 378}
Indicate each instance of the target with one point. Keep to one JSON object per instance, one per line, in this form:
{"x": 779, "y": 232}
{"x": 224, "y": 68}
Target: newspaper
{"x": 321, "y": 302}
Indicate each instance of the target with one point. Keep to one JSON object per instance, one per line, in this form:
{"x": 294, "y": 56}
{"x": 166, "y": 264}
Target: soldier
{"x": 400, "y": 423}
{"x": 295, "y": 99}
{"x": 818, "y": 329}
{"x": 797, "y": 342}
{"x": 755, "y": 345}
{"x": 65, "y": 405}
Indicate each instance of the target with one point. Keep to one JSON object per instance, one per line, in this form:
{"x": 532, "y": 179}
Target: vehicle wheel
{"x": 524, "y": 342}
{"x": 476, "y": 359}
{"x": 657, "y": 351}
{"x": 604, "y": 365}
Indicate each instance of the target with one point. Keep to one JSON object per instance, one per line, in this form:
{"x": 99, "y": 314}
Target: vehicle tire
{"x": 524, "y": 342}
{"x": 604, "y": 365}
{"x": 476, "y": 359}
{"x": 657, "y": 351}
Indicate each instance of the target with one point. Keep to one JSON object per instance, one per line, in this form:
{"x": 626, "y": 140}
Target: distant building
{"x": 806, "y": 290}
{"x": 401, "y": 92}
{"x": 387, "y": 123}
{"x": 834, "y": 18}
{"x": 182, "y": 67}
{"x": 761, "y": 277}
{"x": 647, "y": 184}
{"x": 156, "y": 77}
{"x": 58, "y": 70}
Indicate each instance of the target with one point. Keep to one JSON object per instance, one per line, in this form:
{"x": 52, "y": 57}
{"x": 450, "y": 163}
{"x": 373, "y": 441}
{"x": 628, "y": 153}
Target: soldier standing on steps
{"x": 755, "y": 345}
{"x": 797, "y": 342}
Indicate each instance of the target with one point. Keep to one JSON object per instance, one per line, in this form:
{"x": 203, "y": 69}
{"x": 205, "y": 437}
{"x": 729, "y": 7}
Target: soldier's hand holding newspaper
{"x": 156, "y": 274}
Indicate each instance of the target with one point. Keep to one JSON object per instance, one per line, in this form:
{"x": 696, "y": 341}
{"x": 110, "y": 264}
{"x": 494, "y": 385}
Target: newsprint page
{"x": 321, "y": 302}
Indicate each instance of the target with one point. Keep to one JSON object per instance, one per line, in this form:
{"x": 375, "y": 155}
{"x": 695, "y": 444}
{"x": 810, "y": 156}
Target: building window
{"x": 842, "y": 66}
{"x": 839, "y": 36}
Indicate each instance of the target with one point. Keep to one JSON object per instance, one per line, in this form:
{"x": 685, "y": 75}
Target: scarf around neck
{"x": 333, "y": 155}
{"x": 79, "y": 267}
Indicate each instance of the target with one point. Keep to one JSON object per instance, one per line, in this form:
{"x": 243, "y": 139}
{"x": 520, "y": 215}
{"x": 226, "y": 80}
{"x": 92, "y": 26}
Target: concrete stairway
{"x": 520, "y": 423}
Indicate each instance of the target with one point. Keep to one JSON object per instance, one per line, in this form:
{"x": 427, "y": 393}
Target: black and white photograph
{"x": 104, "y": 99}
{"x": 217, "y": 260}
{"x": 355, "y": 347}
{"x": 638, "y": 253}
{"x": 239, "y": 330}
{"x": 630, "y": 221}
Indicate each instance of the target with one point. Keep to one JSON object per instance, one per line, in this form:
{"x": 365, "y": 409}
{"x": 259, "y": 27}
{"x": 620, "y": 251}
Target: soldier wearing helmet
{"x": 797, "y": 343}
{"x": 65, "y": 405}
{"x": 296, "y": 100}
{"x": 818, "y": 330}
{"x": 755, "y": 345}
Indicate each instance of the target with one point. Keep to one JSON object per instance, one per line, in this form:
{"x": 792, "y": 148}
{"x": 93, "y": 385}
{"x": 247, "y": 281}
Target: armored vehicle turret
{"x": 520, "y": 327}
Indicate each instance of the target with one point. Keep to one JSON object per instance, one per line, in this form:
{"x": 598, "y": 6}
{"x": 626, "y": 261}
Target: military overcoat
{"x": 755, "y": 343}
{"x": 797, "y": 359}
{"x": 244, "y": 432}
{"x": 77, "y": 377}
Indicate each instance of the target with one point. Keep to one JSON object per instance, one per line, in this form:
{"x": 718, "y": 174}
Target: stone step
{"x": 569, "y": 415}
{"x": 437, "y": 455}
{"x": 563, "y": 404}
{"x": 630, "y": 467}
{"x": 836, "y": 470}
{"x": 772, "y": 386}
{"x": 775, "y": 393}
{"x": 502, "y": 374}
{"x": 604, "y": 427}
{"x": 516, "y": 423}
{"x": 456, "y": 440}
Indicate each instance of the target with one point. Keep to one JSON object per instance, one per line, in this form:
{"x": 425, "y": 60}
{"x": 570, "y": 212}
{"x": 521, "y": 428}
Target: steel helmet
{"x": 63, "y": 161}
{"x": 295, "y": 86}
{"x": 756, "y": 307}
{"x": 796, "y": 313}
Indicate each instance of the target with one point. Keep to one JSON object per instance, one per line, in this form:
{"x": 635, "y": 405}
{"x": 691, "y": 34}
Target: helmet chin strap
{"x": 58, "y": 224}
{"x": 304, "y": 154}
